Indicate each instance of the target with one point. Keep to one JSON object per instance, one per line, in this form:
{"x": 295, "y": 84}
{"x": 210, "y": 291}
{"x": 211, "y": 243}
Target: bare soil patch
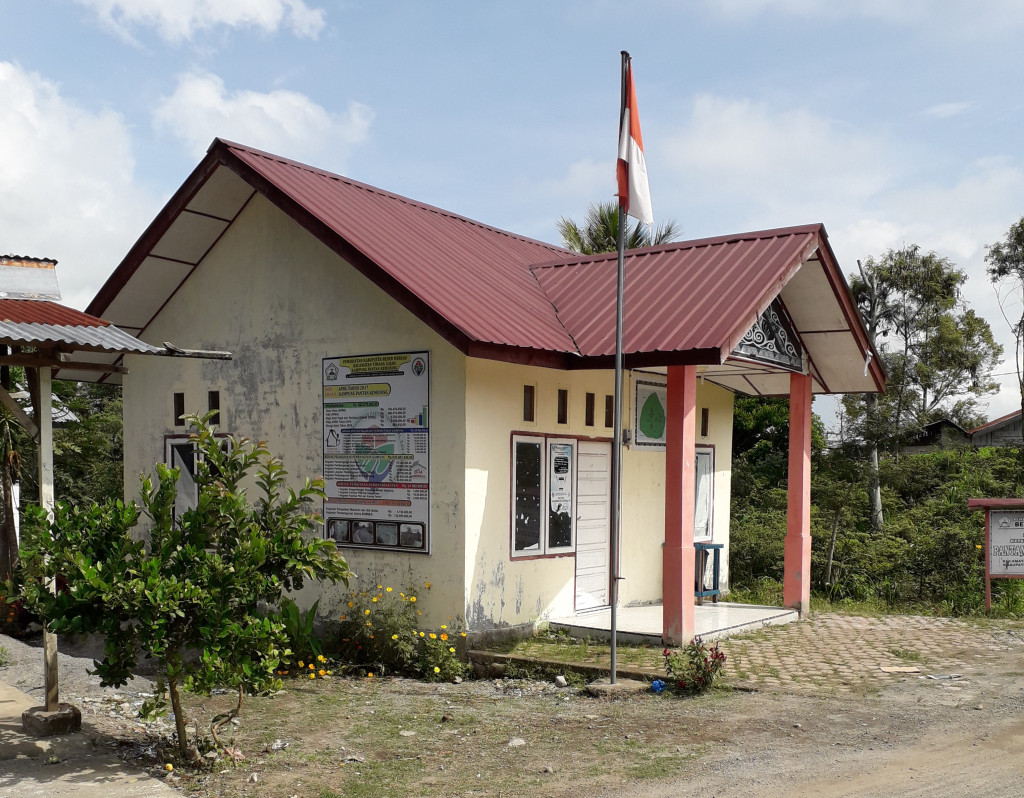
{"x": 851, "y": 730}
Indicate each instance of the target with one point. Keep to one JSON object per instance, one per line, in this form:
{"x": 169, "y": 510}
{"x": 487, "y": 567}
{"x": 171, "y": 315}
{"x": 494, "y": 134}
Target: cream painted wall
{"x": 280, "y": 301}
{"x": 501, "y": 590}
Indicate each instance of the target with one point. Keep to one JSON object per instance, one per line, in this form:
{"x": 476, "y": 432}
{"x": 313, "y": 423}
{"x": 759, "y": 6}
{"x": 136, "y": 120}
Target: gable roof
{"x": 997, "y": 422}
{"x": 499, "y": 295}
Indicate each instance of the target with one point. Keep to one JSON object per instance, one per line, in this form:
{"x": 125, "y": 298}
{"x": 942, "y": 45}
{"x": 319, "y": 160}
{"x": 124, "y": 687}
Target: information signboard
{"x": 376, "y": 412}
{"x": 1006, "y": 543}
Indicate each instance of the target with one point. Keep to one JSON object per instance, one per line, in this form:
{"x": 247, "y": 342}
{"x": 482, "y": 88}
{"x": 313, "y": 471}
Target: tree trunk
{"x": 874, "y": 481}
{"x": 831, "y": 551}
{"x": 179, "y": 717}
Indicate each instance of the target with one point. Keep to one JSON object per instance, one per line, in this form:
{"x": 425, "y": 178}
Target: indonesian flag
{"x": 634, "y": 193}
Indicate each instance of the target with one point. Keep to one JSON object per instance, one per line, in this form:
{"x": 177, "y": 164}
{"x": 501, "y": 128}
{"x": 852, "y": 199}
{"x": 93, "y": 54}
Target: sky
{"x": 893, "y": 123}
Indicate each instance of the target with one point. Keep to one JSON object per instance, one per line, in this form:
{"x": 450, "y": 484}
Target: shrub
{"x": 194, "y": 584}
{"x": 380, "y": 633}
{"x": 303, "y": 644}
{"x": 693, "y": 668}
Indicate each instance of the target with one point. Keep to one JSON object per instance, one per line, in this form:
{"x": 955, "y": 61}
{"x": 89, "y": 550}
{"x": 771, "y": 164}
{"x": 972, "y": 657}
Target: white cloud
{"x": 761, "y": 162}
{"x": 947, "y": 110}
{"x": 281, "y": 121}
{"x": 177, "y": 20}
{"x": 66, "y": 183}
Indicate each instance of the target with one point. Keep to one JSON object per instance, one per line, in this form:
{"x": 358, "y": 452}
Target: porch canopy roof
{"x": 502, "y": 296}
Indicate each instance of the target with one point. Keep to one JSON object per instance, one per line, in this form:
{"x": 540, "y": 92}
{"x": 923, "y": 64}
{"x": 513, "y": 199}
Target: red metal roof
{"x": 475, "y": 276}
{"x": 498, "y": 295}
{"x": 693, "y": 295}
{"x": 27, "y": 311}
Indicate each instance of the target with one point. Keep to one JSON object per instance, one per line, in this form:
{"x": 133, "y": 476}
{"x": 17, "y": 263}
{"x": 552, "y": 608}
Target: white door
{"x": 593, "y": 511}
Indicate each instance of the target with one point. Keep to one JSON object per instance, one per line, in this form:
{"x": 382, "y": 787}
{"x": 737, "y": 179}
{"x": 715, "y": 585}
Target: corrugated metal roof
{"x": 475, "y": 276}
{"x": 36, "y": 323}
{"x": 693, "y": 295}
{"x": 495, "y": 294}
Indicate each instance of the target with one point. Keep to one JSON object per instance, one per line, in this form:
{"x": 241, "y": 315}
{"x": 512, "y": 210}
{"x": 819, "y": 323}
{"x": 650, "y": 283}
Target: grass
{"x": 5, "y": 657}
{"x": 907, "y": 655}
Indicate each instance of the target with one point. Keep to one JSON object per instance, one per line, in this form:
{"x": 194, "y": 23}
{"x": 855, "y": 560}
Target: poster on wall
{"x": 650, "y": 397}
{"x": 561, "y": 479}
{"x": 1006, "y": 543}
{"x": 376, "y": 411}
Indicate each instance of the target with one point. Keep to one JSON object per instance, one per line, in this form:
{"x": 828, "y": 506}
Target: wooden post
{"x": 680, "y": 487}
{"x": 796, "y": 588}
{"x": 44, "y": 422}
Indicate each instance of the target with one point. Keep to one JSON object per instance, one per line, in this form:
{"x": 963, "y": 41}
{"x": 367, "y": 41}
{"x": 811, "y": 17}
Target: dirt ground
{"x": 807, "y": 710}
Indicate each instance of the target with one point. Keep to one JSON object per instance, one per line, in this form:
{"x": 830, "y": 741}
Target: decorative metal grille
{"x": 772, "y": 340}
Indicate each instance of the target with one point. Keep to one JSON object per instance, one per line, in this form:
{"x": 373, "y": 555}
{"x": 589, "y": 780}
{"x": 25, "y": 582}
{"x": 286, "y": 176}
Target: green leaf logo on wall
{"x": 652, "y": 418}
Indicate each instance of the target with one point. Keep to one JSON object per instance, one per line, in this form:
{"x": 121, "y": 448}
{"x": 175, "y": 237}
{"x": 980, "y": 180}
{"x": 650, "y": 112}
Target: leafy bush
{"x": 303, "y": 644}
{"x": 194, "y": 584}
{"x": 693, "y": 668}
{"x": 380, "y": 633}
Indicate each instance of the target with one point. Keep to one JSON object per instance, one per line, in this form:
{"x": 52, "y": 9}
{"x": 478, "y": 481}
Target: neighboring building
{"x": 453, "y": 381}
{"x": 942, "y": 434}
{"x": 1003, "y": 431}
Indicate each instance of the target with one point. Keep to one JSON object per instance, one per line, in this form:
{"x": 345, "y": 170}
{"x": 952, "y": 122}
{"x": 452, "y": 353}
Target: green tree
{"x": 938, "y": 353}
{"x": 194, "y": 583}
{"x": 600, "y": 231}
{"x": 1006, "y": 271}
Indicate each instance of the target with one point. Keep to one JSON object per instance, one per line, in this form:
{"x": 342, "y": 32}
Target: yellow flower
{"x": 428, "y": 585}
{"x": 312, "y": 676}
{"x": 389, "y": 590}
{"x": 321, "y": 658}
{"x": 394, "y": 637}
{"x": 311, "y": 666}
{"x": 328, "y": 673}
{"x": 302, "y": 664}
{"x": 322, "y": 672}
{"x": 422, "y": 635}
{"x": 433, "y": 636}
{"x": 444, "y": 635}
{"x": 374, "y": 599}
{"x": 443, "y": 626}
{"x": 168, "y": 767}
{"x": 369, "y": 624}
{"x": 369, "y": 675}
{"x": 412, "y": 599}
{"x": 366, "y": 612}
{"x": 452, "y": 650}
{"x": 463, "y": 634}
{"x": 378, "y": 587}
{"x": 350, "y": 605}
{"x": 437, "y": 669}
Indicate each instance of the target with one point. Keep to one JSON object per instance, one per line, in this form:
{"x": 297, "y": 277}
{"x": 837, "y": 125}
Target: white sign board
{"x": 377, "y": 450}
{"x": 1006, "y": 543}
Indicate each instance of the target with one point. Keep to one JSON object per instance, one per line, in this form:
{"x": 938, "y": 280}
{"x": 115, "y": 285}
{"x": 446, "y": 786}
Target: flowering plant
{"x": 693, "y": 668}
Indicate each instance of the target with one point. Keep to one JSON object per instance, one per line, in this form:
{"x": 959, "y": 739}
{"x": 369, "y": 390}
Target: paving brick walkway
{"x": 845, "y": 652}
{"x": 827, "y": 652}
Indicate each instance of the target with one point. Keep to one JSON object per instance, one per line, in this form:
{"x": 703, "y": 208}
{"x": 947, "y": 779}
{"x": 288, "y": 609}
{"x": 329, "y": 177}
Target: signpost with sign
{"x": 1004, "y": 540}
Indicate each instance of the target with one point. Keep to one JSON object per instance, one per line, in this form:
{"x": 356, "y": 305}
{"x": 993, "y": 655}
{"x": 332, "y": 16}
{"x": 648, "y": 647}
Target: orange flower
{"x": 444, "y": 635}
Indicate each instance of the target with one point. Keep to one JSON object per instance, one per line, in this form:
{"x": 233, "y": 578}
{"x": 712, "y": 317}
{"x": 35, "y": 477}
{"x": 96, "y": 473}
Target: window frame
{"x": 173, "y": 440}
{"x": 709, "y": 452}
{"x": 543, "y": 547}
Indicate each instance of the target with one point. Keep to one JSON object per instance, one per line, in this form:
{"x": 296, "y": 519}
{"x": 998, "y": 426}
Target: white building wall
{"x": 280, "y": 301}
{"x": 502, "y": 590}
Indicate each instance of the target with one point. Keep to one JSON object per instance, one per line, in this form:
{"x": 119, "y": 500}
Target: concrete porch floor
{"x": 644, "y": 624}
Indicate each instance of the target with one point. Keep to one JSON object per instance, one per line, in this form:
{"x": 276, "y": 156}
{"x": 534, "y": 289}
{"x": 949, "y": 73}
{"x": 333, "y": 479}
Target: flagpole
{"x": 616, "y": 514}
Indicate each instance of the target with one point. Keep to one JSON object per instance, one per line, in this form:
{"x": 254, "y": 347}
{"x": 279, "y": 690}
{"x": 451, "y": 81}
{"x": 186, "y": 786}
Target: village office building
{"x": 453, "y": 382}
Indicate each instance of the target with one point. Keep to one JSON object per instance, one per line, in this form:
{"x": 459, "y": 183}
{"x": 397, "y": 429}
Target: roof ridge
{"x": 382, "y": 192}
{"x": 696, "y": 243}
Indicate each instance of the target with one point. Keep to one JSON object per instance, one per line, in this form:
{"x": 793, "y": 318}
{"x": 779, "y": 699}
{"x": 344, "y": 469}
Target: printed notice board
{"x": 1006, "y": 543}
{"x": 377, "y": 450}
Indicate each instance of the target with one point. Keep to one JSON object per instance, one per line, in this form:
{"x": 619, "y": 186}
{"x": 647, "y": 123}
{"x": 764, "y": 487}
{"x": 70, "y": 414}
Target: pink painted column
{"x": 796, "y": 589}
{"x": 677, "y": 556}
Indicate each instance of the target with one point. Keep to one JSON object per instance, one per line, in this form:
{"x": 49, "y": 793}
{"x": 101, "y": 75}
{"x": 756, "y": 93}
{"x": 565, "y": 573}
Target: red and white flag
{"x": 634, "y": 192}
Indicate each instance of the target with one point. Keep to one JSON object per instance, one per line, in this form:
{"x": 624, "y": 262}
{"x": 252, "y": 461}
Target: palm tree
{"x": 600, "y": 231}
